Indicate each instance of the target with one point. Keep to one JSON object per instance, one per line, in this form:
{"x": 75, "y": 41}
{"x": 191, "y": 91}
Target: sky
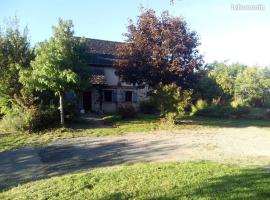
{"x": 225, "y": 34}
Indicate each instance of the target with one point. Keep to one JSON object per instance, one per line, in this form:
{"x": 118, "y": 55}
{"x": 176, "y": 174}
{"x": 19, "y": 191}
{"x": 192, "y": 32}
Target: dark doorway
{"x": 87, "y": 101}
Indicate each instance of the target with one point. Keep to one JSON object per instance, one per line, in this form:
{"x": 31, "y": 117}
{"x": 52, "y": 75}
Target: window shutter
{"x": 114, "y": 97}
{"x": 134, "y": 97}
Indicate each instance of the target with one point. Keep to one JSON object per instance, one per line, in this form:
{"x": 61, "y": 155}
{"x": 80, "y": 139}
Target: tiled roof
{"x": 98, "y": 80}
{"x": 102, "y": 52}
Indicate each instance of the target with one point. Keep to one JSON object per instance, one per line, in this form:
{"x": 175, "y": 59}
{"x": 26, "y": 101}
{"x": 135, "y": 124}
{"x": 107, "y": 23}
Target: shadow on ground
{"x": 247, "y": 184}
{"x": 24, "y": 165}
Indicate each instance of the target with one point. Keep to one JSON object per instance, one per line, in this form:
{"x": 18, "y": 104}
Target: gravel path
{"x": 244, "y": 146}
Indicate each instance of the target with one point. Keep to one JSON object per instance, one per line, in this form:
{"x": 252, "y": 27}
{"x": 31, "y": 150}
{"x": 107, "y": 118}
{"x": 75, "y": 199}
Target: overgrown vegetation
{"x": 191, "y": 180}
{"x": 179, "y": 85}
{"x": 30, "y": 78}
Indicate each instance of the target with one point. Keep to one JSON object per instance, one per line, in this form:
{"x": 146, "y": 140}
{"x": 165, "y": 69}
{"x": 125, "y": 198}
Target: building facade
{"x": 107, "y": 92}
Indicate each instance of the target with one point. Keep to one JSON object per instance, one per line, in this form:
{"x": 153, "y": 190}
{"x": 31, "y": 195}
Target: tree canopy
{"x": 15, "y": 55}
{"x": 225, "y": 75}
{"x": 59, "y": 65}
{"x": 252, "y": 86}
{"x": 158, "y": 49}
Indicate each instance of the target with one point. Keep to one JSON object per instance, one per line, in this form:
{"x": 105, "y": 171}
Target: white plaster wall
{"x": 112, "y": 80}
{"x": 110, "y": 76}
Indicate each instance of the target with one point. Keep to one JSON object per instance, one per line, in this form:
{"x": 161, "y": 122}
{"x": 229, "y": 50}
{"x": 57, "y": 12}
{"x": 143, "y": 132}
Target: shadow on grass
{"x": 248, "y": 184}
{"x": 252, "y": 184}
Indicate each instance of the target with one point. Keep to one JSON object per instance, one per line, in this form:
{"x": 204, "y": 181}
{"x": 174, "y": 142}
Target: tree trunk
{"x": 61, "y": 107}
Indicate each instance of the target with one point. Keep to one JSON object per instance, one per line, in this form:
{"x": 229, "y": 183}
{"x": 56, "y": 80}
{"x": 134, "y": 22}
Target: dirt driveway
{"x": 244, "y": 146}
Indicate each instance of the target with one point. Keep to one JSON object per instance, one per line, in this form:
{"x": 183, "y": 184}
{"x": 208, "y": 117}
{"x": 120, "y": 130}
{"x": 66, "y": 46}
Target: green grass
{"x": 143, "y": 123}
{"x": 236, "y": 123}
{"x": 191, "y": 180}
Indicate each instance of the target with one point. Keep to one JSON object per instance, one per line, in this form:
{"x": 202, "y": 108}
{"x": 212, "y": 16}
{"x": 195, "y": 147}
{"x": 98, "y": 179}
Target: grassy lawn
{"x": 143, "y": 123}
{"x": 191, "y": 180}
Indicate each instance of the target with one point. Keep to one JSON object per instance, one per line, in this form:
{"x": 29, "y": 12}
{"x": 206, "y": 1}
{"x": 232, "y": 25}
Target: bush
{"x": 171, "y": 98}
{"x": 219, "y": 111}
{"x": 43, "y": 118}
{"x": 31, "y": 120}
{"x": 127, "y": 111}
{"x": 200, "y": 105}
{"x": 171, "y": 117}
{"x": 148, "y": 107}
{"x": 14, "y": 121}
{"x": 240, "y": 111}
{"x": 215, "y": 111}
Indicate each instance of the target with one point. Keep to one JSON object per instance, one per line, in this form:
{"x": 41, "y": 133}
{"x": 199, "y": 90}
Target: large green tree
{"x": 59, "y": 65}
{"x": 252, "y": 86}
{"x": 225, "y": 75}
{"x": 158, "y": 50}
{"x": 15, "y": 56}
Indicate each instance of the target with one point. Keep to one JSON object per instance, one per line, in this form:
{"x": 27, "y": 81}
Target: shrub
{"x": 33, "y": 119}
{"x": 219, "y": 111}
{"x": 240, "y": 111}
{"x": 170, "y": 117}
{"x": 213, "y": 111}
{"x": 148, "y": 107}
{"x": 127, "y": 111}
{"x": 43, "y": 118}
{"x": 171, "y": 98}
{"x": 13, "y": 121}
{"x": 200, "y": 105}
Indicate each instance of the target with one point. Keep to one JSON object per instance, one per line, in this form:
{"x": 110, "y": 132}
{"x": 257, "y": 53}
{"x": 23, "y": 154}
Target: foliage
{"x": 158, "y": 49}
{"x": 189, "y": 180}
{"x": 252, "y": 87}
{"x": 170, "y": 98}
{"x": 170, "y": 118}
{"x": 15, "y": 56}
{"x": 58, "y": 65}
{"x": 206, "y": 87}
{"x": 31, "y": 120}
{"x": 225, "y": 76}
{"x": 219, "y": 111}
{"x": 200, "y": 105}
{"x": 236, "y": 84}
{"x": 127, "y": 111}
{"x": 148, "y": 107}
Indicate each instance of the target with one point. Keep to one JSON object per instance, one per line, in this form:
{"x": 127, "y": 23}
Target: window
{"x": 128, "y": 96}
{"x": 108, "y": 95}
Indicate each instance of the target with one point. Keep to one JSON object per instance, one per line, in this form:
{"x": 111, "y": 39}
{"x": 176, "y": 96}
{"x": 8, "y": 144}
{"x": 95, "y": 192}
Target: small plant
{"x": 127, "y": 112}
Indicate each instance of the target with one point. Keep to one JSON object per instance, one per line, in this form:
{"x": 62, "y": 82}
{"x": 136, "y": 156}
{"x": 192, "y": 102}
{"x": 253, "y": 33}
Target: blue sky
{"x": 225, "y": 34}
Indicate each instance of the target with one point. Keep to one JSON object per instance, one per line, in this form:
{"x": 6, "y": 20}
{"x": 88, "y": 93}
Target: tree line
{"x": 160, "y": 52}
